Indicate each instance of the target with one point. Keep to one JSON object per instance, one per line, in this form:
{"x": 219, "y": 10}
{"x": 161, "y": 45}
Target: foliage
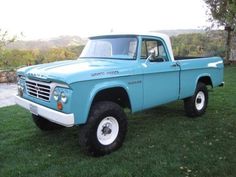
{"x": 5, "y": 38}
{"x": 12, "y": 58}
{"x": 17, "y": 58}
{"x": 199, "y": 44}
{"x": 160, "y": 142}
{"x": 223, "y": 11}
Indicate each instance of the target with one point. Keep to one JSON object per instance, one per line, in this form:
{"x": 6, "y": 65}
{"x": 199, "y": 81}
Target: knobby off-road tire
{"x": 44, "y": 124}
{"x": 105, "y": 129}
{"x": 196, "y": 105}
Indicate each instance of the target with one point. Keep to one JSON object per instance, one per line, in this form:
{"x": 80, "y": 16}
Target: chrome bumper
{"x": 57, "y": 117}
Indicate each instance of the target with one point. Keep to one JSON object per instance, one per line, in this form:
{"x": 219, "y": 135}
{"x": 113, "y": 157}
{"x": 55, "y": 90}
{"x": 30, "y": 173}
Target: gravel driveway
{"x": 7, "y": 92}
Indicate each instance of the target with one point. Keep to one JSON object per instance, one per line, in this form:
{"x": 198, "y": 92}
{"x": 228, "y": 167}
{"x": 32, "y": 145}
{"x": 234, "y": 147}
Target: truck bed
{"x": 192, "y": 68}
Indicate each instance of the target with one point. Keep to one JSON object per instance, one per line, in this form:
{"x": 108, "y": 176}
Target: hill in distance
{"x": 61, "y": 41}
{"x": 67, "y": 41}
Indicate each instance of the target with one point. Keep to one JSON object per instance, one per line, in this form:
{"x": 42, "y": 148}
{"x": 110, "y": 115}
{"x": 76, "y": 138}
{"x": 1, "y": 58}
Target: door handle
{"x": 174, "y": 65}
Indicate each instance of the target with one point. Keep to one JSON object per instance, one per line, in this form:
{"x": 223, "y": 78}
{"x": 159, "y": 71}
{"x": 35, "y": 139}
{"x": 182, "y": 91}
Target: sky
{"x": 44, "y": 19}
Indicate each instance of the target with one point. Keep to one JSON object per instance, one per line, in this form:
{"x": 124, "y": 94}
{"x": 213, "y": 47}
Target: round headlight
{"x": 20, "y": 91}
{"x": 22, "y": 86}
{"x": 19, "y": 87}
{"x": 55, "y": 95}
{"x": 63, "y": 97}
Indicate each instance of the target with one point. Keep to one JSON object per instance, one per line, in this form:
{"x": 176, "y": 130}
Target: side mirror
{"x": 151, "y": 56}
{"x": 152, "y": 53}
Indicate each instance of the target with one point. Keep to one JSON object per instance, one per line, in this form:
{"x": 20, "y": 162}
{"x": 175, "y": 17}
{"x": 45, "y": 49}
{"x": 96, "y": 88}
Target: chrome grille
{"x": 39, "y": 90}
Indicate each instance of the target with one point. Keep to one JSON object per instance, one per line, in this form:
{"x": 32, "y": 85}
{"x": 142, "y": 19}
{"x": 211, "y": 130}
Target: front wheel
{"x": 105, "y": 129}
{"x": 196, "y": 105}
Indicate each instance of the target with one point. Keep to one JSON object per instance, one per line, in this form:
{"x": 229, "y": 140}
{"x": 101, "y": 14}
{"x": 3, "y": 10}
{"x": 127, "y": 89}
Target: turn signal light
{"x": 59, "y": 106}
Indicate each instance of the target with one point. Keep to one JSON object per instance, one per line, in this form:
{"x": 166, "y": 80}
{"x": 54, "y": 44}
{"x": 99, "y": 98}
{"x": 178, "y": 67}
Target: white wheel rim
{"x": 200, "y": 100}
{"x": 107, "y": 130}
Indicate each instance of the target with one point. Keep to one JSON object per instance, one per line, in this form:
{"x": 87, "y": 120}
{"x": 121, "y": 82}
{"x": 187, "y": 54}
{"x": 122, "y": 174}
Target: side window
{"x": 162, "y": 52}
{"x": 154, "y": 47}
{"x": 144, "y": 50}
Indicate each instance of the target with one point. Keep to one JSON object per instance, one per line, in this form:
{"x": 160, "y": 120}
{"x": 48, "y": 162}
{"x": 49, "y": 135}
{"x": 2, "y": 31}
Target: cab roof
{"x": 154, "y": 34}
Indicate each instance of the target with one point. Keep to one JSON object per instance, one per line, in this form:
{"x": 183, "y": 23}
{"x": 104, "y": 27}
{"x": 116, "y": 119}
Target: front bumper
{"x": 57, "y": 117}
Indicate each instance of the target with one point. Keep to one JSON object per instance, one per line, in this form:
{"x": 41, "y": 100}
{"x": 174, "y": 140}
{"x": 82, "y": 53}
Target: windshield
{"x": 111, "y": 47}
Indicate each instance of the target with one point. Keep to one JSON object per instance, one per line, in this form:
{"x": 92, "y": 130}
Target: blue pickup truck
{"x": 115, "y": 71}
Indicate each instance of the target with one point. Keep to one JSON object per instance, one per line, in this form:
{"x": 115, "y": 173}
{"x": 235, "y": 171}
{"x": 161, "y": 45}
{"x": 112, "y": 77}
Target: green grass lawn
{"x": 160, "y": 142}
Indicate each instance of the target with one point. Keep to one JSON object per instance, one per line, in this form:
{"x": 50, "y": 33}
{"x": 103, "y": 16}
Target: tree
{"x": 223, "y": 12}
{"x": 4, "y": 40}
{"x": 199, "y": 44}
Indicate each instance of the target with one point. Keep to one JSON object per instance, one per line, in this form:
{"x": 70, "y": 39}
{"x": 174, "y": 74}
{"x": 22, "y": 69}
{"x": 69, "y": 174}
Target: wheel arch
{"x": 206, "y": 79}
{"x": 116, "y": 92}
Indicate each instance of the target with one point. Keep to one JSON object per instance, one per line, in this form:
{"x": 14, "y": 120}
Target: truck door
{"x": 160, "y": 74}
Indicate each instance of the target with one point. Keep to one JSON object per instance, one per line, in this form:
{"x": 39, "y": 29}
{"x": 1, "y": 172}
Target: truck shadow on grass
{"x": 140, "y": 125}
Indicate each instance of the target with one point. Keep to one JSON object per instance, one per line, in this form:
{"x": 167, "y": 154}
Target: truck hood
{"x": 71, "y": 71}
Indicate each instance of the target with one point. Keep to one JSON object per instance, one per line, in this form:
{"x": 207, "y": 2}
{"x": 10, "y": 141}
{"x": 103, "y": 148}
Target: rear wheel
{"x": 197, "y": 104}
{"x": 44, "y": 124}
{"x": 105, "y": 130}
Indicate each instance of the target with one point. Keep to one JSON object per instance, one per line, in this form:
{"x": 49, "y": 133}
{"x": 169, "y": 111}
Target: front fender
{"x": 84, "y": 93}
{"x": 107, "y": 85}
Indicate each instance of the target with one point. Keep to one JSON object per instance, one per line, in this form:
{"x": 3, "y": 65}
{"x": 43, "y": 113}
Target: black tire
{"x": 44, "y": 124}
{"x": 196, "y": 105}
{"x": 89, "y": 132}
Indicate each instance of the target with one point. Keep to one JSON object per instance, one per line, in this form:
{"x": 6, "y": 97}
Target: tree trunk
{"x": 228, "y": 46}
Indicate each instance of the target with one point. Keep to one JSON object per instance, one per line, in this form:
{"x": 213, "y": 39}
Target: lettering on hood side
{"x": 105, "y": 73}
